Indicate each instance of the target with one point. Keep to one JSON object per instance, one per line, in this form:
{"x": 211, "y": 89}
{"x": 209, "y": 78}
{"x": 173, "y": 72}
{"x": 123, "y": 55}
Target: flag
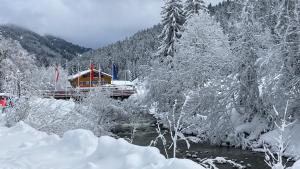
{"x": 56, "y": 73}
{"x": 99, "y": 75}
{"x": 114, "y": 72}
{"x": 92, "y": 71}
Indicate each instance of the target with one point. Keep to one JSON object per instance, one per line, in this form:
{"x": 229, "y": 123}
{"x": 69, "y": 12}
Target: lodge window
{"x": 88, "y": 75}
{"x": 84, "y": 83}
{"x": 88, "y": 83}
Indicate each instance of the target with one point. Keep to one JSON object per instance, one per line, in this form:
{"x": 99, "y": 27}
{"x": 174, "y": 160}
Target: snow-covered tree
{"x": 193, "y": 7}
{"x": 278, "y": 66}
{"x": 288, "y": 43}
{"x": 172, "y": 20}
{"x": 202, "y": 64}
{"x": 203, "y": 52}
{"x": 247, "y": 48}
{"x": 16, "y": 67}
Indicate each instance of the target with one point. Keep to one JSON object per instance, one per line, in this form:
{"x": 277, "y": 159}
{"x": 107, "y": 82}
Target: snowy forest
{"x": 223, "y": 76}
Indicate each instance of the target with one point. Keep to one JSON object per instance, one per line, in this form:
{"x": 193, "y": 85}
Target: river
{"x": 146, "y": 133}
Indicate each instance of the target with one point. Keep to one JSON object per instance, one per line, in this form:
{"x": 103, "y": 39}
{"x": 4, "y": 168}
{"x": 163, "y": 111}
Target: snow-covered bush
{"x": 101, "y": 111}
{"x": 96, "y": 112}
{"x": 48, "y": 115}
{"x": 179, "y": 120}
{"x": 18, "y": 113}
{"x": 274, "y": 157}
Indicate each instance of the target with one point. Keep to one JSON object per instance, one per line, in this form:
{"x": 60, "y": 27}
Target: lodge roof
{"x": 5, "y": 95}
{"x": 86, "y": 72}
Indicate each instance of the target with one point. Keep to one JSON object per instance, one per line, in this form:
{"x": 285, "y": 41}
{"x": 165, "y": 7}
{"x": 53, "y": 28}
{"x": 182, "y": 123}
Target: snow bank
{"x": 296, "y": 165}
{"x": 293, "y": 149}
{"x": 24, "y": 147}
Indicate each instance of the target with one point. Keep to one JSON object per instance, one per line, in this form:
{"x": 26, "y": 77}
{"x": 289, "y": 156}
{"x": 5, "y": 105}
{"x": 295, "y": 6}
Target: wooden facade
{"x": 83, "y": 79}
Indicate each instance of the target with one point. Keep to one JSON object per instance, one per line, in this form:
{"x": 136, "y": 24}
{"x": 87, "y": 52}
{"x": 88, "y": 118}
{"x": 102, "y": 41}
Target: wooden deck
{"x": 117, "y": 92}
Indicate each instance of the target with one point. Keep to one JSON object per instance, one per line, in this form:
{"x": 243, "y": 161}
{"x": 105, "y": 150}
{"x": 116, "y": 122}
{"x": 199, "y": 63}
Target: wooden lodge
{"x": 83, "y": 79}
{"x": 82, "y": 84}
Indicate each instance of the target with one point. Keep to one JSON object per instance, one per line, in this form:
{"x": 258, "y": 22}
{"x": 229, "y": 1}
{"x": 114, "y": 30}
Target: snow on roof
{"x": 85, "y": 72}
{"x": 122, "y": 83}
{"x": 5, "y": 94}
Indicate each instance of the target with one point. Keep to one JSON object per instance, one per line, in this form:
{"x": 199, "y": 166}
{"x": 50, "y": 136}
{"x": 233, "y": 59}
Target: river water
{"x": 145, "y": 134}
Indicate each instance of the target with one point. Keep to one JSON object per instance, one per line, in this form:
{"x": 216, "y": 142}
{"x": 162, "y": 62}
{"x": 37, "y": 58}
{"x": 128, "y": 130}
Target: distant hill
{"x": 47, "y": 49}
{"x": 132, "y": 54}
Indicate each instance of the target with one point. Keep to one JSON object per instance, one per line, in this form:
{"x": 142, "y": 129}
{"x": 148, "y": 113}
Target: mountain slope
{"x": 48, "y": 49}
{"x": 132, "y": 54}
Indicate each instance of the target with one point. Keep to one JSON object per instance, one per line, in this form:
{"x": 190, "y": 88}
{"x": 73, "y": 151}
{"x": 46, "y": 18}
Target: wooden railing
{"x": 110, "y": 90}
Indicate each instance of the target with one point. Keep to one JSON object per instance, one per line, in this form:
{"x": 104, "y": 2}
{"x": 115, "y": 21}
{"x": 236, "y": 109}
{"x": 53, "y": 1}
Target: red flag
{"x": 56, "y": 73}
{"x": 92, "y": 71}
{"x": 3, "y": 102}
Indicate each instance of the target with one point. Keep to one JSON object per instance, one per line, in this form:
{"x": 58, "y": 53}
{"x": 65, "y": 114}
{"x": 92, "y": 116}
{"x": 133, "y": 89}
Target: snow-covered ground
{"x": 296, "y": 165}
{"x": 26, "y": 148}
{"x": 292, "y": 135}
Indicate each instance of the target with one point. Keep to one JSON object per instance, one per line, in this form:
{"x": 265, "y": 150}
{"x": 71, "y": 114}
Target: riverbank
{"x": 291, "y": 136}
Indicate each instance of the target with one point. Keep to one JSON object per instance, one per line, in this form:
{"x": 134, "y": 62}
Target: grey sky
{"x": 91, "y": 23}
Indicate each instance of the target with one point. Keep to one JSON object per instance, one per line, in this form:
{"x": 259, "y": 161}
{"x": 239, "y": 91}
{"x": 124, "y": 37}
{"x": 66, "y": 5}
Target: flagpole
{"x": 66, "y": 83}
{"x": 99, "y": 75}
{"x": 55, "y": 79}
{"x": 54, "y": 87}
{"x": 78, "y": 73}
{"x": 90, "y": 74}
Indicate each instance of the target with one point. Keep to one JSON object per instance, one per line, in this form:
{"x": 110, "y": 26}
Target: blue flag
{"x": 114, "y": 72}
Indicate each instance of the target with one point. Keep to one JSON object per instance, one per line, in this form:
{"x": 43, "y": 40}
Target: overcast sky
{"x": 90, "y": 23}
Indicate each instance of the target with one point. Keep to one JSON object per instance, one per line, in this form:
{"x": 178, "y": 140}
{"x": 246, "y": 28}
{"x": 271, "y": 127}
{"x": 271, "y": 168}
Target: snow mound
{"x": 296, "y": 165}
{"x": 293, "y": 137}
{"x": 26, "y": 148}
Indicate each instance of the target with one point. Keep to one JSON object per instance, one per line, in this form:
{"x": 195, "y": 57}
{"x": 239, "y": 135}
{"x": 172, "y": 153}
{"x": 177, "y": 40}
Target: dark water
{"x": 146, "y": 134}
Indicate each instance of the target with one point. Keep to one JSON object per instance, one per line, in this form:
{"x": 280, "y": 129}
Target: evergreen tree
{"x": 247, "y": 49}
{"x": 211, "y": 9}
{"x": 193, "y": 7}
{"x": 131, "y": 54}
{"x": 172, "y": 19}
